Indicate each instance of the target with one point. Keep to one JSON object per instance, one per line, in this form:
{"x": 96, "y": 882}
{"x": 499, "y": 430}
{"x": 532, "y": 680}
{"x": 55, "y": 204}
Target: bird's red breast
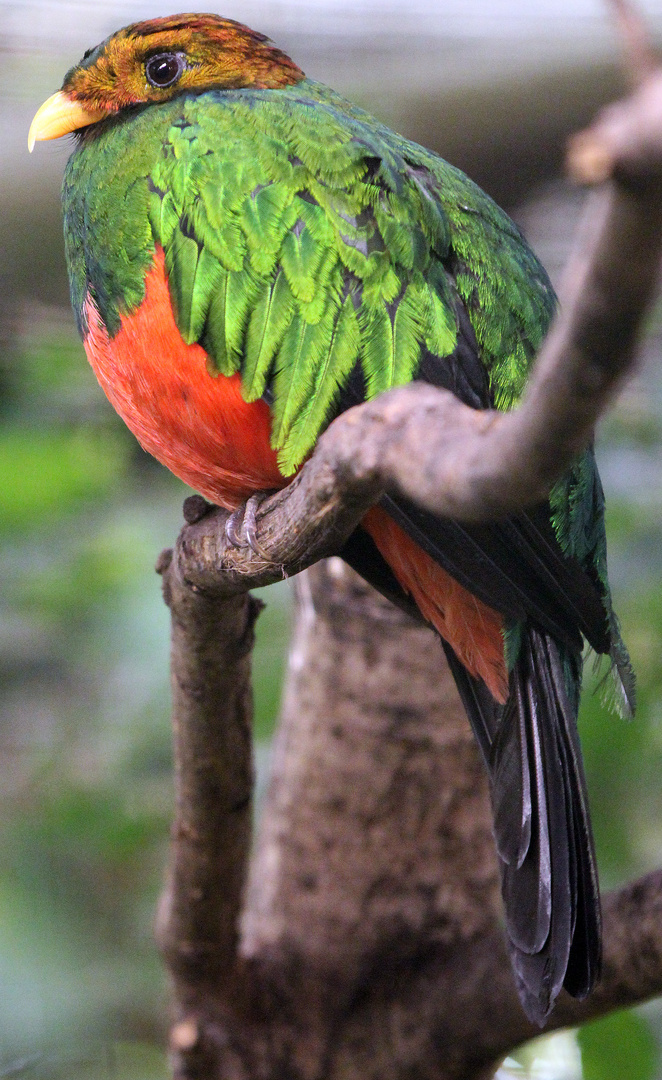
{"x": 199, "y": 426}
{"x": 195, "y": 423}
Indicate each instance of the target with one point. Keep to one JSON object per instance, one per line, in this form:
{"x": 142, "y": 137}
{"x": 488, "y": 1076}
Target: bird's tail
{"x": 541, "y": 824}
{"x": 526, "y": 724}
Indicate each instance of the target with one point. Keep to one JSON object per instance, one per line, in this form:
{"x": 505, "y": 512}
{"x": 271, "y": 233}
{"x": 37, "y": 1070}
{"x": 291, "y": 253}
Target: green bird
{"x": 250, "y": 254}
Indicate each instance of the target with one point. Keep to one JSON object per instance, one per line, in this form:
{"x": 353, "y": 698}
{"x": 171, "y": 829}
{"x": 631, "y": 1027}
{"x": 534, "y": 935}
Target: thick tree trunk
{"x": 374, "y": 867}
{"x": 375, "y": 851}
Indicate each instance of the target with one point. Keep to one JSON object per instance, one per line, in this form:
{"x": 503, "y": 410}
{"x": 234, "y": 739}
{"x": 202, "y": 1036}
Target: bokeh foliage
{"x": 85, "y": 791}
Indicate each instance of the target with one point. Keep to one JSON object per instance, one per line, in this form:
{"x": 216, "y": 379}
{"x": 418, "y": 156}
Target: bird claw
{"x": 233, "y": 527}
{"x": 241, "y": 526}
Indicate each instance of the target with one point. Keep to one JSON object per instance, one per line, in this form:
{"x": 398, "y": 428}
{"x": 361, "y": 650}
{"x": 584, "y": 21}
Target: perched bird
{"x": 250, "y": 254}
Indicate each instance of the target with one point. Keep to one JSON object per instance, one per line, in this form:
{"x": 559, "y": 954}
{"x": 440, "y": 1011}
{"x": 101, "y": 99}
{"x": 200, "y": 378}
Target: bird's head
{"x": 152, "y": 61}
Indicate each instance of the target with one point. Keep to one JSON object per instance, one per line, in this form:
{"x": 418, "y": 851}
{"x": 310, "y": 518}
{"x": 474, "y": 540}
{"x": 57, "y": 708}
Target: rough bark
{"x": 375, "y": 853}
{"x": 197, "y": 929}
{"x": 376, "y": 843}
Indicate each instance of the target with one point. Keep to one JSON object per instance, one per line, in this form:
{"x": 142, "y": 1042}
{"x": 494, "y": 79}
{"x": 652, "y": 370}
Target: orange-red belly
{"x": 195, "y": 423}
{"x": 199, "y": 426}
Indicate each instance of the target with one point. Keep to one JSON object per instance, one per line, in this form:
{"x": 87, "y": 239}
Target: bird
{"x": 249, "y": 255}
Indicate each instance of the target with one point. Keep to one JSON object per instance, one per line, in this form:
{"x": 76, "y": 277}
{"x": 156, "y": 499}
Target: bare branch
{"x": 624, "y": 142}
{"x": 454, "y": 460}
{"x": 639, "y": 58}
{"x": 212, "y": 703}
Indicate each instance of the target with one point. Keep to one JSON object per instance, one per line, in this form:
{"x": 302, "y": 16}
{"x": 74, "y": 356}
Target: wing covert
{"x": 292, "y": 275}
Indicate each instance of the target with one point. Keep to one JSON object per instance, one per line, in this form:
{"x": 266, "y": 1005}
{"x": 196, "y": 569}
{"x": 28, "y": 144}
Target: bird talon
{"x": 241, "y": 527}
{"x": 250, "y": 525}
{"x": 233, "y": 527}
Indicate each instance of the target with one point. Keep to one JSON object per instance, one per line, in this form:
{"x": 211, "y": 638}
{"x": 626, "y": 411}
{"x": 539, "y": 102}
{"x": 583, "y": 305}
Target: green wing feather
{"x": 270, "y": 318}
{"x": 310, "y": 255}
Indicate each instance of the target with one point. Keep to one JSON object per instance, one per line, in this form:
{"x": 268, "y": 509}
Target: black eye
{"x": 164, "y": 69}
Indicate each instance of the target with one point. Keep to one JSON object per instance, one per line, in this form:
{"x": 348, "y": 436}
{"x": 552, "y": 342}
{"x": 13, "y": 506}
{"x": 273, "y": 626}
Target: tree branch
{"x": 453, "y": 460}
{"x": 197, "y": 929}
{"x": 357, "y": 982}
{"x": 486, "y": 1021}
{"x": 639, "y": 58}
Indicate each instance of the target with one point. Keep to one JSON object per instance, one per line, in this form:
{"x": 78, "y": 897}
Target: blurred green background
{"x": 85, "y": 760}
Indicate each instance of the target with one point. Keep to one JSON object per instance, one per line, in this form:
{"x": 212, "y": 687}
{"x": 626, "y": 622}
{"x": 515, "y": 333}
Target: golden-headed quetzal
{"x": 250, "y": 254}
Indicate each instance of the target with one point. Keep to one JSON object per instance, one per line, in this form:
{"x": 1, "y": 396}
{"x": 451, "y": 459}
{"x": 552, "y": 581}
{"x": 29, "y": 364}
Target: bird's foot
{"x": 241, "y": 526}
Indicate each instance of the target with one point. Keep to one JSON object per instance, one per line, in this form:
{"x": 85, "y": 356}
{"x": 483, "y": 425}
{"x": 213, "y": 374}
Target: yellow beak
{"x": 58, "y": 116}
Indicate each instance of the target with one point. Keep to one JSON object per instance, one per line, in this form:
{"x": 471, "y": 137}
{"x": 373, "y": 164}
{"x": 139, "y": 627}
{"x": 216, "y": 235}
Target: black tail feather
{"x": 540, "y": 951}
{"x": 585, "y": 954}
{"x": 514, "y": 798}
{"x": 541, "y": 820}
{"x": 541, "y": 825}
{"x": 479, "y": 704}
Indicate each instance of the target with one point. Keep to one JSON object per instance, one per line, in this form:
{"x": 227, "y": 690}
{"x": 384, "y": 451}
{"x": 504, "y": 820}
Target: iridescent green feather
{"x": 336, "y": 366}
{"x": 269, "y": 320}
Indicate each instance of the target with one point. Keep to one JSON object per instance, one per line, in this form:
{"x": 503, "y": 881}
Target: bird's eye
{"x": 164, "y": 69}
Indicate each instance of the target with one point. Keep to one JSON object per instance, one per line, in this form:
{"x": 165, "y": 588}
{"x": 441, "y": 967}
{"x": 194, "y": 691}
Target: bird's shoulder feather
{"x": 301, "y": 236}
